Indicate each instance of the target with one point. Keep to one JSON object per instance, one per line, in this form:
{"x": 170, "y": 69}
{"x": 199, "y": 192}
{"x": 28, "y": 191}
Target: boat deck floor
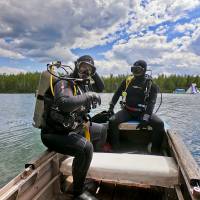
{"x": 107, "y": 191}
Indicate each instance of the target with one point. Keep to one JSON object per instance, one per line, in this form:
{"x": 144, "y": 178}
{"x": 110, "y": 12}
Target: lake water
{"x": 20, "y": 142}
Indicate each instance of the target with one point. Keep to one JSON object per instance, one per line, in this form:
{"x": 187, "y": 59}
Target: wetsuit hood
{"x": 87, "y": 60}
{"x": 139, "y": 68}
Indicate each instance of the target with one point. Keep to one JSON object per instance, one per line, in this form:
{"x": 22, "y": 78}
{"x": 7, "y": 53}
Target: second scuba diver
{"x": 65, "y": 114}
{"x": 139, "y": 95}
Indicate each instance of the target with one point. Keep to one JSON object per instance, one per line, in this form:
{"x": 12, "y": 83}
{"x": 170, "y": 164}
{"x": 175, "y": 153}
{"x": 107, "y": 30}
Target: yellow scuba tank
{"x": 46, "y": 80}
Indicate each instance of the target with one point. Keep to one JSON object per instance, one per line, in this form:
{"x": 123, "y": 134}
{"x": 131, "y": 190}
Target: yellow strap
{"x": 128, "y": 80}
{"x": 75, "y": 90}
{"x": 87, "y": 132}
{"x": 51, "y": 80}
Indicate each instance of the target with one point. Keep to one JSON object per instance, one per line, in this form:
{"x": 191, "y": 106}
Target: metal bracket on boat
{"x": 26, "y": 172}
{"x": 29, "y": 165}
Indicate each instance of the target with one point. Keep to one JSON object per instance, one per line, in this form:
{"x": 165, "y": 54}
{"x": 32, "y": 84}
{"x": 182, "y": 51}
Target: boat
{"x": 179, "y": 91}
{"x": 131, "y": 173}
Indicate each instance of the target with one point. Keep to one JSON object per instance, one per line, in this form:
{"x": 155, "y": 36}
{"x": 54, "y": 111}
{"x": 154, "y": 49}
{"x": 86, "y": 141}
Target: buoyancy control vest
{"x": 145, "y": 91}
{"x": 63, "y": 121}
{"x": 47, "y": 113}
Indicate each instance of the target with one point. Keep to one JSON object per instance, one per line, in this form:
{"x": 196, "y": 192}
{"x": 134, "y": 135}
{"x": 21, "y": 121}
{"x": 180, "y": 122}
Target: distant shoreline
{"x": 28, "y": 83}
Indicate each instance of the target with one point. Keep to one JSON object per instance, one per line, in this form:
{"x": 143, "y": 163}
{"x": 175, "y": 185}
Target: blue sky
{"x": 116, "y": 33}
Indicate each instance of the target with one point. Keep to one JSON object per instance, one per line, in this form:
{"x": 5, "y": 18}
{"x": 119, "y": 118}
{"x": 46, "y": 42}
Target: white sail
{"x": 193, "y": 89}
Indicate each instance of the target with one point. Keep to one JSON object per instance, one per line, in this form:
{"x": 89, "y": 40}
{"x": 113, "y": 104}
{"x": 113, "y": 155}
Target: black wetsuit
{"x": 133, "y": 110}
{"x": 72, "y": 142}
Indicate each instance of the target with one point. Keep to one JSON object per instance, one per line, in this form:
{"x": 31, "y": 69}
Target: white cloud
{"x": 161, "y": 30}
{"x": 147, "y": 46}
{"x": 61, "y": 53}
{"x": 112, "y": 67}
{"x": 185, "y": 27}
{"x": 177, "y": 7}
{"x": 159, "y": 11}
{"x": 161, "y": 55}
{"x": 194, "y": 45}
{"x": 7, "y": 52}
{"x": 60, "y": 23}
{"x": 11, "y": 70}
{"x": 50, "y": 31}
{"x": 10, "y": 54}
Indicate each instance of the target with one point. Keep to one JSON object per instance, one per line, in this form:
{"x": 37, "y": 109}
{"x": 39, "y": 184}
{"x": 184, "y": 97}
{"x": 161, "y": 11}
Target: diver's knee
{"x": 88, "y": 149}
{"x": 113, "y": 120}
{"x": 161, "y": 125}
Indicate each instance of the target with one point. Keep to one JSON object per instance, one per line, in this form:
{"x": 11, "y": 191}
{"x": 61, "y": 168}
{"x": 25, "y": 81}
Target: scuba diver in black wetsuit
{"x": 139, "y": 95}
{"x": 81, "y": 71}
{"x": 65, "y": 114}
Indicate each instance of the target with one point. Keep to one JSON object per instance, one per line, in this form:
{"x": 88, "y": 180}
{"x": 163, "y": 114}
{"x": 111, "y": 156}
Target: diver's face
{"x": 84, "y": 70}
{"x": 138, "y": 70}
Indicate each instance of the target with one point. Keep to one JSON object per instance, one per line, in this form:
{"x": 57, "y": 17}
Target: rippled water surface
{"x": 20, "y": 142}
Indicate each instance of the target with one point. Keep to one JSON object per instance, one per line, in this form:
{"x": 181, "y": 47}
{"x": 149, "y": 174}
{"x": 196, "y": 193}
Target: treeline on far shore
{"x": 27, "y": 83}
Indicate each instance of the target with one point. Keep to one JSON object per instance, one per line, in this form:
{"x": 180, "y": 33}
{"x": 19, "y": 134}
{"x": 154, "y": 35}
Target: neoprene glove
{"x": 144, "y": 122}
{"x": 93, "y": 99}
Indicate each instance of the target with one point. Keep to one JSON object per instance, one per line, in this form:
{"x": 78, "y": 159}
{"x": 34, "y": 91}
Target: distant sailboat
{"x": 193, "y": 89}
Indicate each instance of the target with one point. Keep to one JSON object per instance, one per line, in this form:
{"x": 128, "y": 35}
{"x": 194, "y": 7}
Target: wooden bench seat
{"x": 130, "y": 169}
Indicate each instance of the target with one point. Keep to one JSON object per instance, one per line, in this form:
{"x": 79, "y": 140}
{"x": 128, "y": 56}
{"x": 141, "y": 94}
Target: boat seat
{"x": 131, "y": 169}
{"x": 130, "y": 125}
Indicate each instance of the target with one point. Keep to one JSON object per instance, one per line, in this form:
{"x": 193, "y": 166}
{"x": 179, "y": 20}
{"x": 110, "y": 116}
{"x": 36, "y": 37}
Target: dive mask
{"x": 137, "y": 70}
{"x": 85, "y": 70}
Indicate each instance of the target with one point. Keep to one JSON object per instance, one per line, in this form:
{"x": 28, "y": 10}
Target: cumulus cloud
{"x": 179, "y": 55}
{"x": 10, "y": 54}
{"x": 184, "y": 27}
{"x": 158, "y": 11}
{"x": 162, "y": 56}
{"x": 132, "y": 29}
{"x": 114, "y": 67}
{"x": 147, "y": 46}
{"x": 7, "y": 51}
{"x": 11, "y": 70}
{"x": 194, "y": 45}
{"x": 38, "y": 31}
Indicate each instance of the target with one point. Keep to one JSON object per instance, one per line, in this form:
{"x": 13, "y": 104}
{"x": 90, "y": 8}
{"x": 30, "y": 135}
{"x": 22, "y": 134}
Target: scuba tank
{"x": 46, "y": 80}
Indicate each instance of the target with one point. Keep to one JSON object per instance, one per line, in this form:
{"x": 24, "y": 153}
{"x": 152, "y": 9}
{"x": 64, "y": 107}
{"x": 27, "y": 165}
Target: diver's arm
{"x": 98, "y": 85}
{"x": 152, "y": 99}
{"x": 118, "y": 93}
{"x": 64, "y": 98}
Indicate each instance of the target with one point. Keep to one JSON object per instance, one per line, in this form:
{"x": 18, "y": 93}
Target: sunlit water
{"x": 20, "y": 142}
